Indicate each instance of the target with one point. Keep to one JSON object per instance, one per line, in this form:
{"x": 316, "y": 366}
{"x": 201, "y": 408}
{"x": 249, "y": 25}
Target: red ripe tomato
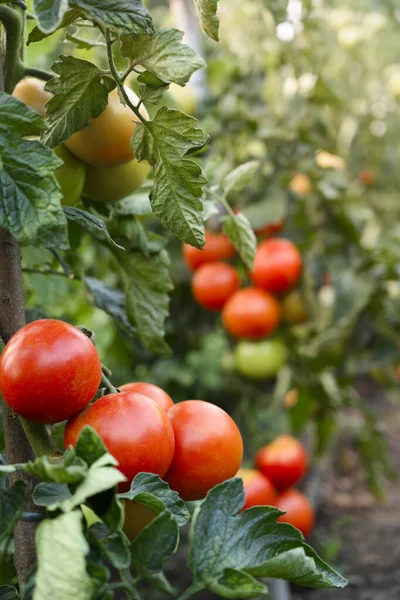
{"x": 49, "y": 371}
{"x": 217, "y": 247}
{"x": 299, "y": 511}
{"x": 213, "y": 283}
{"x": 208, "y": 448}
{"x": 251, "y": 313}
{"x": 258, "y": 488}
{"x": 134, "y": 429}
{"x": 284, "y": 461}
{"x": 151, "y": 391}
{"x": 277, "y": 265}
{"x": 270, "y": 228}
{"x": 366, "y": 177}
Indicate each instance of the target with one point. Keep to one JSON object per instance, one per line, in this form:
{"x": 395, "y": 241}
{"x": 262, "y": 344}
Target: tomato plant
{"x": 213, "y": 284}
{"x": 251, "y": 313}
{"x": 208, "y": 448}
{"x": 49, "y": 371}
{"x": 258, "y": 488}
{"x": 260, "y": 360}
{"x": 151, "y": 391}
{"x": 299, "y": 511}
{"x": 277, "y": 265}
{"x": 284, "y": 461}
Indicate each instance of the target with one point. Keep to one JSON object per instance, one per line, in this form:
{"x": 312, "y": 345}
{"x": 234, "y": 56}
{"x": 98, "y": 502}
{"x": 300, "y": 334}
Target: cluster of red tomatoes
{"x": 250, "y": 314}
{"x": 279, "y": 466}
{"x": 50, "y": 372}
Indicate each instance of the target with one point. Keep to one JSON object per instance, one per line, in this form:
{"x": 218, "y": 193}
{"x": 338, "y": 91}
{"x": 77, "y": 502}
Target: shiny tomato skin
{"x": 284, "y": 461}
{"x": 217, "y": 247}
{"x": 213, "y": 284}
{"x": 114, "y": 183}
{"x": 299, "y": 511}
{"x": 258, "y": 488}
{"x": 270, "y": 228}
{"x": 251, "y": 313}
{"x": 134, "y": 429}
{"x": 106, "y": 141}
{"x": 208, "y": 448}
{"x": 49, "y": 371}
{"x": 277, "y": 265}
{"x": 30, "y": 90}
{"x": 151, "y": 391}
{"x": 137, "y": 516}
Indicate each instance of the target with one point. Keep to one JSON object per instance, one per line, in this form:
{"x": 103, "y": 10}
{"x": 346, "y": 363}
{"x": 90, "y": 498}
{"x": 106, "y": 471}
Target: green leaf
{"x": 151, "y": 88}
{"x": 241, "y": 234}
{"x": 178, "y": 182}
{"x": 240, "y": 177}
{"x": 122, "y": 17}
{"x": 80, "y": 94}
{"x": 50, "y": 494}
{"x": 12, "y": 503}
{"x": 147, "y": 284}
{"x": 155, "y": 494}
{"x": 61, "y": 549}
{"x": 93, "y": 225}
{"x": 112, "y": 302}
{"x": 51, "y": 469}
{"x": 114, "y": 546}
{"x": 207, "y": 12}
{"x": 251, "y": 542}
{"x": 37, "y": 35}
{"x": 90, "y": 446}
{"x": 8, "y": 593}
{"x": 155, "y": 544}
{"x": 49, "y": 13}
{"x": 234, "y": 583}
{"x": 29, "y": 194}
{"x": 163, "y": 54}
{"x": 137, "y": 204}
{"x": 269, "y": 210}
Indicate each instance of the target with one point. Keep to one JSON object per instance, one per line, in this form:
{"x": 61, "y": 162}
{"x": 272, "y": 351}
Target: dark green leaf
{"x": 122, "y": 16}
{"x": 155, "y": 494}
{"x": 155, "y": 544}
{"x": 80, "y": 94}
{"x": 29, "y": 194}
{"x": 90, "y": 446}
{"x": 241, "y": 234}
{"x": 138, "y": 204}
{"x": 61, "y": 549}
{"x": 251, "y": 542}
{"x": 36, "y": 35}
{"x": 115, "y": 546}
{"x": 12, "y": 503}
{"x": 151, "y": 87}
{"x": 163, "y": 54}
{"x": 89, "y": 223}
{"x": 48, "y": 494}
{"x": 8, "y": 593}
{"x": 112, "y": 302}
{"x": 49, "y": 13}
{"x": 178, "y": 182}
{"x": 207, "y": 11}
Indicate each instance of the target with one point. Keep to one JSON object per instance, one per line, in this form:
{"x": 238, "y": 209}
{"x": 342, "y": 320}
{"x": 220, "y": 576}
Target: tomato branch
{"x": 39, "y": 73}
{"x": 13, "y": 26}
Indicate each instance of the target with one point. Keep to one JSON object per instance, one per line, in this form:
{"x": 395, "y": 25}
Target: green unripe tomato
{"x": 110, "y": 184}
{"x": 260, "y": 360}
{"x": 70, "y": 176}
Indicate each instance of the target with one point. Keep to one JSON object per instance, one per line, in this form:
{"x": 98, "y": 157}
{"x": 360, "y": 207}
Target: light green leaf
{"x": 12, "y": 504}
{"x": 207, "y": 12}
{"x": 29, "y": 194}
{"x": 49, "y": 13}
{"x": 240, "y": 177}
{"x": 234, "y": 583}
{"x": 163, "y": 54}
{"x": 51, "y": 469}
{"x": 241, "y": 234}
{"x": 112, "y": 301}
{"x": 120, "y": 16}
{"x": 114, "y": 545}
{"x": 80, "y": 94}
{"x": 151, "y": 87}
{"x": 178, "y": 182}
{"x": 147, "y": 285}
{"x": 61, "y": 549}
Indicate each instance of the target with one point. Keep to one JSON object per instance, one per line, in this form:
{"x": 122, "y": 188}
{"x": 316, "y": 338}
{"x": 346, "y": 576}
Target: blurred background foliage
{"x": 289, "y": 82}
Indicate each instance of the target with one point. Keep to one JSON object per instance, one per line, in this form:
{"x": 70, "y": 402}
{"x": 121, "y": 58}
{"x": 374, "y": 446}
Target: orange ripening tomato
{"x": 299, "y": 511}
{"x": 251, "y": 313}
{"x": 270, "y": 228}
{"x": 213, "y": 283}
{"x": 277, "y": 265}
{"x": 208, "y": 448}
{"x": 217, "y": 247}
{"x": 137, "y": 516}
{"x": 49, "y": 370}
{"x": 284, "y": 461}
{"x": 366, "y": 177}
{"x": 258, "y": 488}
{"x": 31, "y": 91}
{"x": 106, "y": 141}
{"x": 134, "y": 429}
{"x": 151, "y": 391}
{"x": 301, "y": 185}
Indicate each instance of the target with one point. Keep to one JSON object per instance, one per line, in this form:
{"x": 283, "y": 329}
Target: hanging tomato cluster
{"x": 279, "y": 466}
{"x": 250, "y": 314}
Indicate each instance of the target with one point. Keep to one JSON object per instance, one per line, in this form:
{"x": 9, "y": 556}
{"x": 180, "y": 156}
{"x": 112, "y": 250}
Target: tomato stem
{"x": 39, "y": 73}
{"x": 191, "y": 591}
{"x": 106, "y": 383}
{"x": 12, "y": 22}
{"x": 38, "y": 437}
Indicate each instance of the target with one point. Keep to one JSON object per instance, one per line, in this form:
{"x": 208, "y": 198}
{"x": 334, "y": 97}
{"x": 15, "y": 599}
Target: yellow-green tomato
{"x": 70, "y": 176}
{"x": 293, "y": 308}
{"x": 137, "y": 516}
{"x": 114, "y": 183}
{"x": 90, "y": 516}
{"x": 260, "y": 360}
